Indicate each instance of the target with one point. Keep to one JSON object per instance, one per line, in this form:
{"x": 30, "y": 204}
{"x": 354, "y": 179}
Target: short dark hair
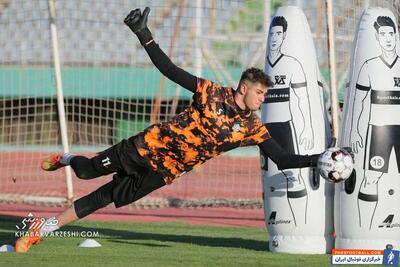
{"x": 256, "y": 75}
{"x": 384, "y": 21}
{"x": 279, "y": 21}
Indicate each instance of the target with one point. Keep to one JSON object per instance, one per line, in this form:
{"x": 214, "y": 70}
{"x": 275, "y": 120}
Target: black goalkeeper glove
{"x": 137, "y": 22}
{"x": 346, "y": 148}
{"x": 349, "y": 150}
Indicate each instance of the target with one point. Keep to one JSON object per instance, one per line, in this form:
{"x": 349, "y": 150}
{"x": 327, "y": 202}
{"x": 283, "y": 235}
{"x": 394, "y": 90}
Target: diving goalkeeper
{"x": 218, "y": 120}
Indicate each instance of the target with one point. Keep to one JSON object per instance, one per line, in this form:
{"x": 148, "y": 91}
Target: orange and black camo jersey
{"x": 211, "y": 125}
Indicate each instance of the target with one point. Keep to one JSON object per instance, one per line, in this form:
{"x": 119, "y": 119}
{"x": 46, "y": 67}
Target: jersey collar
{"x": 387, "y": 64}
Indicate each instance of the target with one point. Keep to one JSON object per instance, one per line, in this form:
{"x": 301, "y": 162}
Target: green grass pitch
{"x": 154, "y": 244}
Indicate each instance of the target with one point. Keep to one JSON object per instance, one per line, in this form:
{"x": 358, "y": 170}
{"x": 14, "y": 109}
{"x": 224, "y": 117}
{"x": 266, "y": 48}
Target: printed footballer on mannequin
{"x": 289, "y": 81}
{"x": 378, "y": 79}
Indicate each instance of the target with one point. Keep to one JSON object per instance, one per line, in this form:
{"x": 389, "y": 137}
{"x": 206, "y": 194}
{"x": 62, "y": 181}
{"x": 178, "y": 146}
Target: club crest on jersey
{"x": 396, "y": 81}
{"x": 280, "y": 79}
{"x": 236, "y": 127}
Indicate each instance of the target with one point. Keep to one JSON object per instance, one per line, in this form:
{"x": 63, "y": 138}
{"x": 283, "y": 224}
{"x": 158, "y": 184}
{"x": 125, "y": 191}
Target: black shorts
{"x": 134, "y": 177}
{"x": 381, "y": 142}
{"x": 282, "y": 133}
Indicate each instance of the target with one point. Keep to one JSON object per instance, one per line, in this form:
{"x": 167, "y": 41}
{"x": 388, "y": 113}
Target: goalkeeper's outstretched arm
{"x": 137, "y": 22}
{"x": 283, "y": 159}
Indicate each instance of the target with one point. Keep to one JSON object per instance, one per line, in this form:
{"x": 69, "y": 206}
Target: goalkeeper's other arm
{"x": 283, "y": 159}
{"x": 137, "y": 22}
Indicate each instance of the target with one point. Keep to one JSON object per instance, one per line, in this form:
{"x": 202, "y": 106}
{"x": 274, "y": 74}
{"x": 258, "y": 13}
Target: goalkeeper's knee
{"x": 94, "y": 201}
{"x": 84, "y": 168}
{"x": 106, "y": 162}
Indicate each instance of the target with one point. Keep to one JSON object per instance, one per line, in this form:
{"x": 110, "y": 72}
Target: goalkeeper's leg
{"x": 104, "y": 163}
{"x": 122, "y": 190}
{"x": 80, "y": 208}
{"x": 83, "y": 167}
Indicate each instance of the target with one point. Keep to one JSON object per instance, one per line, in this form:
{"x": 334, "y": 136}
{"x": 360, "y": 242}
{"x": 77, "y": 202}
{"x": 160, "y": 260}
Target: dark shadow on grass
{"x": 7, "y": 223}
{"x": 8, "y": 228}
{"x": 124, "y": 236}
{"x": 141, "y": 244}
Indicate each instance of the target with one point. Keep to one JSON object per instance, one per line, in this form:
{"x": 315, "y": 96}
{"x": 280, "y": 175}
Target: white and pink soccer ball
{"x": 335, "y": 164}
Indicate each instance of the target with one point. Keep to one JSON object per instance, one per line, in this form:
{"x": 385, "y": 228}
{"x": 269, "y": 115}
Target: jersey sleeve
{"x": 205, "y": 91}
{"x": 298, "y": 78}
{"x": 283, "y": 159}
{"x": 164, "y": 64}
{"x": 258, "y": 133}
{"x": 363, "y": 82}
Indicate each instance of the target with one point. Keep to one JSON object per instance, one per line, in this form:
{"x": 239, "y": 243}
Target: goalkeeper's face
{"x": 254, "y": 94}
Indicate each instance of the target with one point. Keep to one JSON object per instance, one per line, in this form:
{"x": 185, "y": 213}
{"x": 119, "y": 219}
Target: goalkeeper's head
{"x": 253, "y": 86}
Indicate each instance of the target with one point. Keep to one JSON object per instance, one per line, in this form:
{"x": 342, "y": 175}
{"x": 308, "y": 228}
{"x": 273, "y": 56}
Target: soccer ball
{"x": 335, "y": 164}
